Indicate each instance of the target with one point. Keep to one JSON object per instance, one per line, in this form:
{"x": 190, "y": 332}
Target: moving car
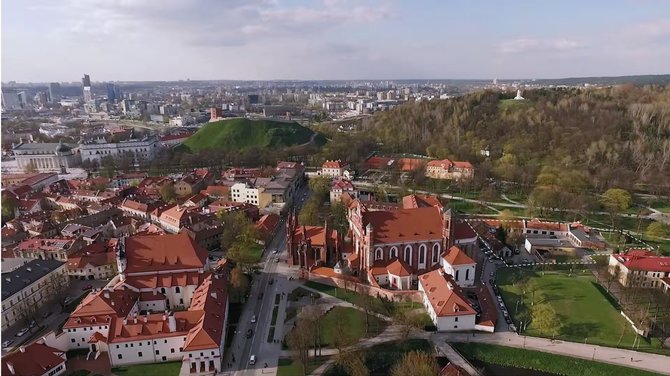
{"x": 250, "y": 333}
{"x": 22, "y": 332}
{"x": 252, "y": 360}
{"x": 253, "y": 319}
{"x": 5, "y": 344}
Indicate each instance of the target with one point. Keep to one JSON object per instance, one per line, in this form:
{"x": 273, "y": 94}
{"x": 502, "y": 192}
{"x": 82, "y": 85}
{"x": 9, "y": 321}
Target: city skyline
{"x": 332, "y": 39}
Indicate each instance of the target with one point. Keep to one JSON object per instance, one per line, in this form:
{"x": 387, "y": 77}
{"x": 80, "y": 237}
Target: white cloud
{"x": 523, "y": 45}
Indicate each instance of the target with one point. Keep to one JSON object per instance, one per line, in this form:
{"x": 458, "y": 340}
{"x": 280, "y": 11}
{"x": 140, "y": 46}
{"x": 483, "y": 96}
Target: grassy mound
{"x": 240, "y": 134}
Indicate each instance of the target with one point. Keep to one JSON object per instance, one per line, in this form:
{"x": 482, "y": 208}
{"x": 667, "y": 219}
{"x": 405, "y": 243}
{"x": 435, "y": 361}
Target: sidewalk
{"x": 455, "y": 357}
{"x": 620, "y": 357}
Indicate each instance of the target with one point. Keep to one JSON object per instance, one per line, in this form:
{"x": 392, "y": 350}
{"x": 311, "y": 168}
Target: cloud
{"x": 524, "y": 45}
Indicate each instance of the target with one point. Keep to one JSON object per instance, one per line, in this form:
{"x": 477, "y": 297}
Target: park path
{"x": 620, "y": 357}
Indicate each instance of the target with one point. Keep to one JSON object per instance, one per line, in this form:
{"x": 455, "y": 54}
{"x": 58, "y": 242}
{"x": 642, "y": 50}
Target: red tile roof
{"x": 96, "y": 254}
{"x": 454, "y": 256}
{"x": 342, "y": 184}
{"x": 642, "y": 259}
{"x": 211, "y": 298}
{"x": 444, "y": 294}
{"x": 147, "y": 253}
{"x": 463, "y": 231}
{"x": 316, "y": 234}
{"x": 152, "y": 281}
{"x": 101, "y": 306}
{"x": 267, "y": 224}
{"x": 332, "y": 164}
{"x": 399, "y": 268}
{"x": 421, "y": 201}
{"x": 34, "y": 359}
{"x": 404, "y": 225}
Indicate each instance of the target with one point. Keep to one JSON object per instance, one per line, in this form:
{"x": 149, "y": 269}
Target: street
{"x": 265, "y": 352}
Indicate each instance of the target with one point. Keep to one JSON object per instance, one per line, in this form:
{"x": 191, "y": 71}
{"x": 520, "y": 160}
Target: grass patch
{"x": 275, "y": 312}
{"x": 470, "y": 207}
{"x": 256, "y": 251}
{"x": 299, "y": 293}
{"x": 291, "y": 312}
{"x": 238, "y": 134}
{"x": 539, "y": 361}
{"x": 352, "y": 297}
{"x": 271, "y": 334}
{"x": 379, "y": 359}
{"x": 156, "y": 369}
{"x": 355, "y": 328}
{"x": 585, "y": 310}
{"x": 290, "y": 367}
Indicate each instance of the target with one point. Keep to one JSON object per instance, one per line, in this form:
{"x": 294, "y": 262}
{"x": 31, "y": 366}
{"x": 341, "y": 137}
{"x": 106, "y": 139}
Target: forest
{"x": 594, "y": 138}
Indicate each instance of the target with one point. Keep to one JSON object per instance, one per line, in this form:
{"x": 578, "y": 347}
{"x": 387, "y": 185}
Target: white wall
{"x": 168, "y": 347}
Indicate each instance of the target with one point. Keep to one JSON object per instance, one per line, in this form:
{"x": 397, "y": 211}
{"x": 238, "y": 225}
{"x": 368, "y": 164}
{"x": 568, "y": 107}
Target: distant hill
{"x": 238, "y": 134}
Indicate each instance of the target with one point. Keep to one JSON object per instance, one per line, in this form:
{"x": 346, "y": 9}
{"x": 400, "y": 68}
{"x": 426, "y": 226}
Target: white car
{"x": 274, "y": 252}
{"x": 253, "y": 319}
{"x": 22, "y": 332}
{"x": 5, "y": 344}
{"x": 252, "y": 360}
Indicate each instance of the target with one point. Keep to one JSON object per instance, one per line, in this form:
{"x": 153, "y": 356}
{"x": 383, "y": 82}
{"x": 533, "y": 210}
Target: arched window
{"x": 394, "y": 252}
{"x": 436, "y": 252}
{"x": 378, "y": 254}
{"x": 176, "y": 289}
{"x": 422, "y": 253}
{"x": 467, "y": 274}
{"x": 456, "y": 276}
{"x": 408, "y": 255}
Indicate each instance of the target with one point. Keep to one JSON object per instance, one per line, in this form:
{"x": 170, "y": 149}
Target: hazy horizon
{"x": 171, "y": 40}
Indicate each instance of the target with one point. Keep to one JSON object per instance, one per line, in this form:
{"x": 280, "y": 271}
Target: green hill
{"x": 238, "y": 134}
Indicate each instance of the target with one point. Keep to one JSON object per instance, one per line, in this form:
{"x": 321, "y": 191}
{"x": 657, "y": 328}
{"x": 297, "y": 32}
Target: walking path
{"x": 620, "y": 357}
{"x": 455, "y": 357}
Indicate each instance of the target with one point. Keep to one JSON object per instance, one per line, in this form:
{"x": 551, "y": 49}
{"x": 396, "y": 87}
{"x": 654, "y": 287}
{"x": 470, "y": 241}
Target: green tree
{"x": 239, "y": 282}
{"x": 8, "y": 207}
{"x": 320, "y": 187}
{"x": 167, "y": 192}
{"x": 236, "y": 224}
{"x": 30, "y": 168}
{"x": 657, "y": 230}
{"x": 545, "y": 318}
{"x": 309, "y": 214}
{"x": 616, "y": 201}
{"x": 416, "y": 363}
{"x": 338, "y": 213}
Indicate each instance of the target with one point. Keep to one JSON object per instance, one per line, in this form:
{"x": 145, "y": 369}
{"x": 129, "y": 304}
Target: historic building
{"x": 46, "y": 156}
{"x": 311, "y": 245}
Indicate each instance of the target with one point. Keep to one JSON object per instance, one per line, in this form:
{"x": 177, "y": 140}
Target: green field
{"x": 157, "y": 369}
{"x": 355, "y": 327}
{"x": 379, "y": 359}
{"x": 539, "y": 361}
{"x": 586, "y": 311}
{"x": 289, "y": 367}
{"x": 240, "y": 134}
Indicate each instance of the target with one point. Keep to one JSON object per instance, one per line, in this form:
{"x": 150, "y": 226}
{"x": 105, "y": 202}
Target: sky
{"x": 133, "y": 40}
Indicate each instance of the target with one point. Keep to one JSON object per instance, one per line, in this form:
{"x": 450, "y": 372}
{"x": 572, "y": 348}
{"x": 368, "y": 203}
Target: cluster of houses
{"x": 444, "y": 169}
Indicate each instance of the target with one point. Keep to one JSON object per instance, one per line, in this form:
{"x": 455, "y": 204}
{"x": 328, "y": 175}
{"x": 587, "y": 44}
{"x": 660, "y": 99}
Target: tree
{"x": 299, "y": 340}
{"x": 353, "y": 363}
{"x": 416, "y": 363}
{"x": 241, "y": 253}
{"x": 545, "y": 318}
{"x": 309, "y": 214}
{"x": 657, "y": 230}
{"x": 30, "y": 168}
{"x": 408, "y": 321}
{"x": 167, "y": 192}
{"x": 339, "y": 333}
{"x": 320, "y": 187}
{"x": 338, "y": 212}
{"x": 8, "y": 208}
{"x": 235, "y": 224}
{"x": 240, "y": 283}
{"x": 616, "y": 201}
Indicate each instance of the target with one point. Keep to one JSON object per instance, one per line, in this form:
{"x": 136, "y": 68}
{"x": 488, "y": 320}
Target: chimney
{"x": 146, "y": 317}
{"x": 10, "y": 366}
{"x": 125, "y": 321}
{"x": 135, "y": 318}
{"x": 172, "y": 323}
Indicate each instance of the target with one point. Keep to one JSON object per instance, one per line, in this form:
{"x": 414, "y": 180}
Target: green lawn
{"x": 584, "y": 308}
{"x": 379, "y": 359}
{"x": 275, "y": 312}
{"x": 156, "y": 369}
{"x": 355, "y": 327}
{"x": 237, "y": 134}
{"x": 289, "y": 367}
{"x": 539, "y": 361}
{"x": 384, "y": 308}
{"x": 470, "y": 207}
{"x": 257, "y": 252}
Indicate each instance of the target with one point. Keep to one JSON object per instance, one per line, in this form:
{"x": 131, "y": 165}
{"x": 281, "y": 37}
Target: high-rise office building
{"x": 54, "y": 92}
{"x": 111, "y": 93}
{"x": 86, "y": 81}
{"x": 10, "y": 99}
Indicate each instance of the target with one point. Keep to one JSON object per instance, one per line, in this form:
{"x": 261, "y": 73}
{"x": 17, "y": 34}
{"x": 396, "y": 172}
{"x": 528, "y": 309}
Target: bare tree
{"x": 353, "y": 362}
{"x": 416, "y": 363}
{"x": 56, "y": 287}
{"x": 299, "y": 340}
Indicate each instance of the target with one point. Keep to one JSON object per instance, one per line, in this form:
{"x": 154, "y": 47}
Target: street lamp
{"x": 594, "y": 354}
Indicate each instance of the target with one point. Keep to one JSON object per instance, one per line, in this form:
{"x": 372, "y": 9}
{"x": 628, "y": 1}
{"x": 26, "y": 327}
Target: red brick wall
{"x": 398, "y": 296}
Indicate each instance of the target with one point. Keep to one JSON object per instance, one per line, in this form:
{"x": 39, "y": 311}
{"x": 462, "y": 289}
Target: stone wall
{"x": 392, "y": 295}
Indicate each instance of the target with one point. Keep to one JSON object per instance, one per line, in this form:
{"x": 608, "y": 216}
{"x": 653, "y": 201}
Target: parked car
{"x": 67, "y": 300}
{"x": 87, "y": 287}
{"x": 253, "y": 319}
{"x": 5, "y": 344}
{"x": 252, "y": 360}
{"x": 274, "y": 252}
{"x": 32, "y": 324}
{"x": 22, "y": 332}
{"x": 271, "y": 281}
{"x": 250, "y": 333}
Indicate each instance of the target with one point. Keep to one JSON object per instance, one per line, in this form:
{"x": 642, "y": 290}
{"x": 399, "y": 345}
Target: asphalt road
{"x": 261, "y": 307}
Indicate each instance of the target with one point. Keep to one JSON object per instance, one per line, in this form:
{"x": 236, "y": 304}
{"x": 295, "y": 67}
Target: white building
{"x": 445, "y": 303}
{"x": 27, "y": 288}
{"x": 333, "y": 168}
{"x": 46, "y": 156}
{"x": 460, "y": 266}
{"x": 95, "y": 151}
{"x": 641, "y": 268}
